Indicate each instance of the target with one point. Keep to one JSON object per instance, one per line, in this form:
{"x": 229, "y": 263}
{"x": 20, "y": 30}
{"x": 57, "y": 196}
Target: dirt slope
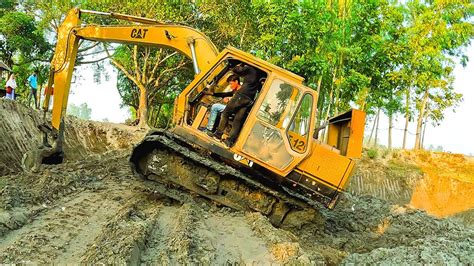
{"x": 91, "y": 209}
{"x": 78, "y": 212}
{"x": 439, "y": 183}
{"x": 19, "y": 134}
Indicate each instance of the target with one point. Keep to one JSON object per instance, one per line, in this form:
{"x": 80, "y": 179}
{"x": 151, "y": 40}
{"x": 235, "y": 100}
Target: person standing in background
{"x": 50, "y": 91}
{"x": 33, "y": 83}
{"x": 11, "y": 86}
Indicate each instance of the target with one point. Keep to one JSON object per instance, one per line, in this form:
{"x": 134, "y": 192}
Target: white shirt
{"x": 11, "y": 83}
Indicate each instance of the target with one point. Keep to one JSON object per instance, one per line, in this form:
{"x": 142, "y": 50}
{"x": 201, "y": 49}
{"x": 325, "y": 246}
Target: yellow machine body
{"x": 276, "y": 139}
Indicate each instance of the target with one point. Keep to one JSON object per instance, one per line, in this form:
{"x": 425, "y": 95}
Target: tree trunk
{"x": 420, "y": 120}
{"x": 423, "y": 136}
{"x": 390, "y": 125}
{"x": 407, "y": 119}
{"x": 377, "y": 128}
{"x": 158, "y": 113}
{"x": 330, "y": 104}
{"x": 320, "y": 79}
{"x": 320, "y": 106}
{"x": 142, "y": 109}
{"x": 336, "y": 101}
{"x": 328, "y": 112}
{"x": 338, "y": 85}
{"x": 320, "y": 100}
{"x": 373, "y": 127}
{"x": 151, "y": 117}
{"x": 326, "y": 116}
{"x": 154, "y": 116}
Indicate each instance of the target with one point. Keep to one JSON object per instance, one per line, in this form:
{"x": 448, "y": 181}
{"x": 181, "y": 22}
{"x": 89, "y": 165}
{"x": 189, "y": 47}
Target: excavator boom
{"x": 190, "y": 42}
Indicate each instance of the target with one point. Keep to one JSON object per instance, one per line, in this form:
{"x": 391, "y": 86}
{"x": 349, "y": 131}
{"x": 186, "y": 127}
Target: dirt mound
{"x": 19, "y": 134}
{"x": 440, "y": 183}
{"x": 363, "y": 225}
{"x": 92, "y": 209}
{"x": 431, "y": 250}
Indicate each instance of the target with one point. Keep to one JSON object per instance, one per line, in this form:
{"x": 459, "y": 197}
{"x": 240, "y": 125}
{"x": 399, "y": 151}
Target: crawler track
{"x": 165, "y": 158}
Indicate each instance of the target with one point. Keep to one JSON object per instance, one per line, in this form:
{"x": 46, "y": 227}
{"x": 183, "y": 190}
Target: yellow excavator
{"x": 277, "y": 164}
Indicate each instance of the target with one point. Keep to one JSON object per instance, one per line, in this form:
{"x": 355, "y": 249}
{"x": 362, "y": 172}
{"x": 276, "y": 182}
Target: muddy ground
{"x": 92, "y": 209}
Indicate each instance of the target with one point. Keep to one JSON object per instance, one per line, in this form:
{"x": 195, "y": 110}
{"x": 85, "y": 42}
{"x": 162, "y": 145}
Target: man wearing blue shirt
{"x": 33, "y": 83}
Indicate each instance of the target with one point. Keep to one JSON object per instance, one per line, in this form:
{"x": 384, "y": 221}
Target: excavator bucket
{"x": 45, "y": 154}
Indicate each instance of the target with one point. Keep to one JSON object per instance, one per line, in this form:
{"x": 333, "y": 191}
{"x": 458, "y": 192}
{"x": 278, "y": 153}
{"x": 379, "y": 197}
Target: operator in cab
{"x": 217, "y": 108}
{"x": 239, "y": 103}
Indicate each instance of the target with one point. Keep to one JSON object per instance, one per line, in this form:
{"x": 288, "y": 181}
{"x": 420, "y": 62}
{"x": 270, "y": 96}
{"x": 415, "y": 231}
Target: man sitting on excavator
{"x": 239, "y": 103}
{"x": 217, "y": 108}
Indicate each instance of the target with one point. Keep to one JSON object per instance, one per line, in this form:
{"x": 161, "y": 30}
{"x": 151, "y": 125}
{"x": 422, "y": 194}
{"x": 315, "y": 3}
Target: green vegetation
{"x": 82, "y": 111}
{"x": 384, "y": 56}
{"x": 372, "y": 153}
{"x": 402, "y": 169}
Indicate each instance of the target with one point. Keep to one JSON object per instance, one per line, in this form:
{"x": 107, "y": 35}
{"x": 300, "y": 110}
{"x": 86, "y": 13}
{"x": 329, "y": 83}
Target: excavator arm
{"x": 147, "y": 32}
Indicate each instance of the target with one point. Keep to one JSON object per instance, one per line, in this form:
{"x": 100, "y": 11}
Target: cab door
{"x": 279, "y": 133}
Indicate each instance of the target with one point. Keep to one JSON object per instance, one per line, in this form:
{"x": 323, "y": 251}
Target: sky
{"x": 103, "y": 98}
{"x": 454, "y": 134}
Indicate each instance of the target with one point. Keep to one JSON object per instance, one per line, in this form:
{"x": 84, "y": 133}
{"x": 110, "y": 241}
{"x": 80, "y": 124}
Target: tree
{"x": 82, "y": 111}
{"x": 7, "y": 6}
{"x": 379, "y": 55}
{"x": 437, "y": 32}
{"x": 158, "y": 75}
{"x": 20, "y": 38}
{"x": 150, "y": 70}
{"x": 22, "y": 45}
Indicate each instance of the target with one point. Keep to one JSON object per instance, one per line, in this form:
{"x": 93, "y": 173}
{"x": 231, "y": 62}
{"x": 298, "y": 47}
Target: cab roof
{"x": 264, "y": 64}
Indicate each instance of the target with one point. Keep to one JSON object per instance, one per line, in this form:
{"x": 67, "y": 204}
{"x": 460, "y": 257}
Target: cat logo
{"x": 138, "y": 33}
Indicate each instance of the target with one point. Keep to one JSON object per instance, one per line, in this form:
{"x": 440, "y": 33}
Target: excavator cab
{"x": 276, "y": 133}
{"x": 277, "y": 141}
{"x": 215, "y": 82}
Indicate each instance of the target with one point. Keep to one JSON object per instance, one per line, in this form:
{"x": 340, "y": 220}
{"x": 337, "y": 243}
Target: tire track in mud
{"x": 150, "y": 230}
{"x": 184, "y": 234}
{"x": 191, "y": 234}
{"x": 173, "y": 239}
{"x": 198, "y": 234}
{"x": 103, "y": 214}
{"x": 231, "y": 239}
{"x": 82, "y": 196}
{"x": 61, "y": 232}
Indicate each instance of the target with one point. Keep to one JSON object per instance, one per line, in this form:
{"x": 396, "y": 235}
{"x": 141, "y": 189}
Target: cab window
{"x": 279, "y": 104}
{"x": 299, "y": 127}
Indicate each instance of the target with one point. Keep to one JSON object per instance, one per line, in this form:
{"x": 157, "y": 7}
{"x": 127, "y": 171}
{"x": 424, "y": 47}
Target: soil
{"x": 92, "y": 209}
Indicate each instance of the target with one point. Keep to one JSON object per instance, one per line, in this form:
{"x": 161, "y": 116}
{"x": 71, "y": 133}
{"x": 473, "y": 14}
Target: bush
{"x": 396, "y": 153}
{"x": 372, "y": 153}
{"x": 386, "y": 153}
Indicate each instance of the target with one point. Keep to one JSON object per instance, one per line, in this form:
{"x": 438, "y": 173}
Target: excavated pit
{"x": 92, "y": 209}
{"x": 20, "y": 134}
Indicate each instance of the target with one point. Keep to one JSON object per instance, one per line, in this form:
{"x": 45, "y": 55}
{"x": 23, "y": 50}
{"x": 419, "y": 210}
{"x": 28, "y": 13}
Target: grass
{"x": 389, "y": 164}
{"x": 3, "y": 183}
